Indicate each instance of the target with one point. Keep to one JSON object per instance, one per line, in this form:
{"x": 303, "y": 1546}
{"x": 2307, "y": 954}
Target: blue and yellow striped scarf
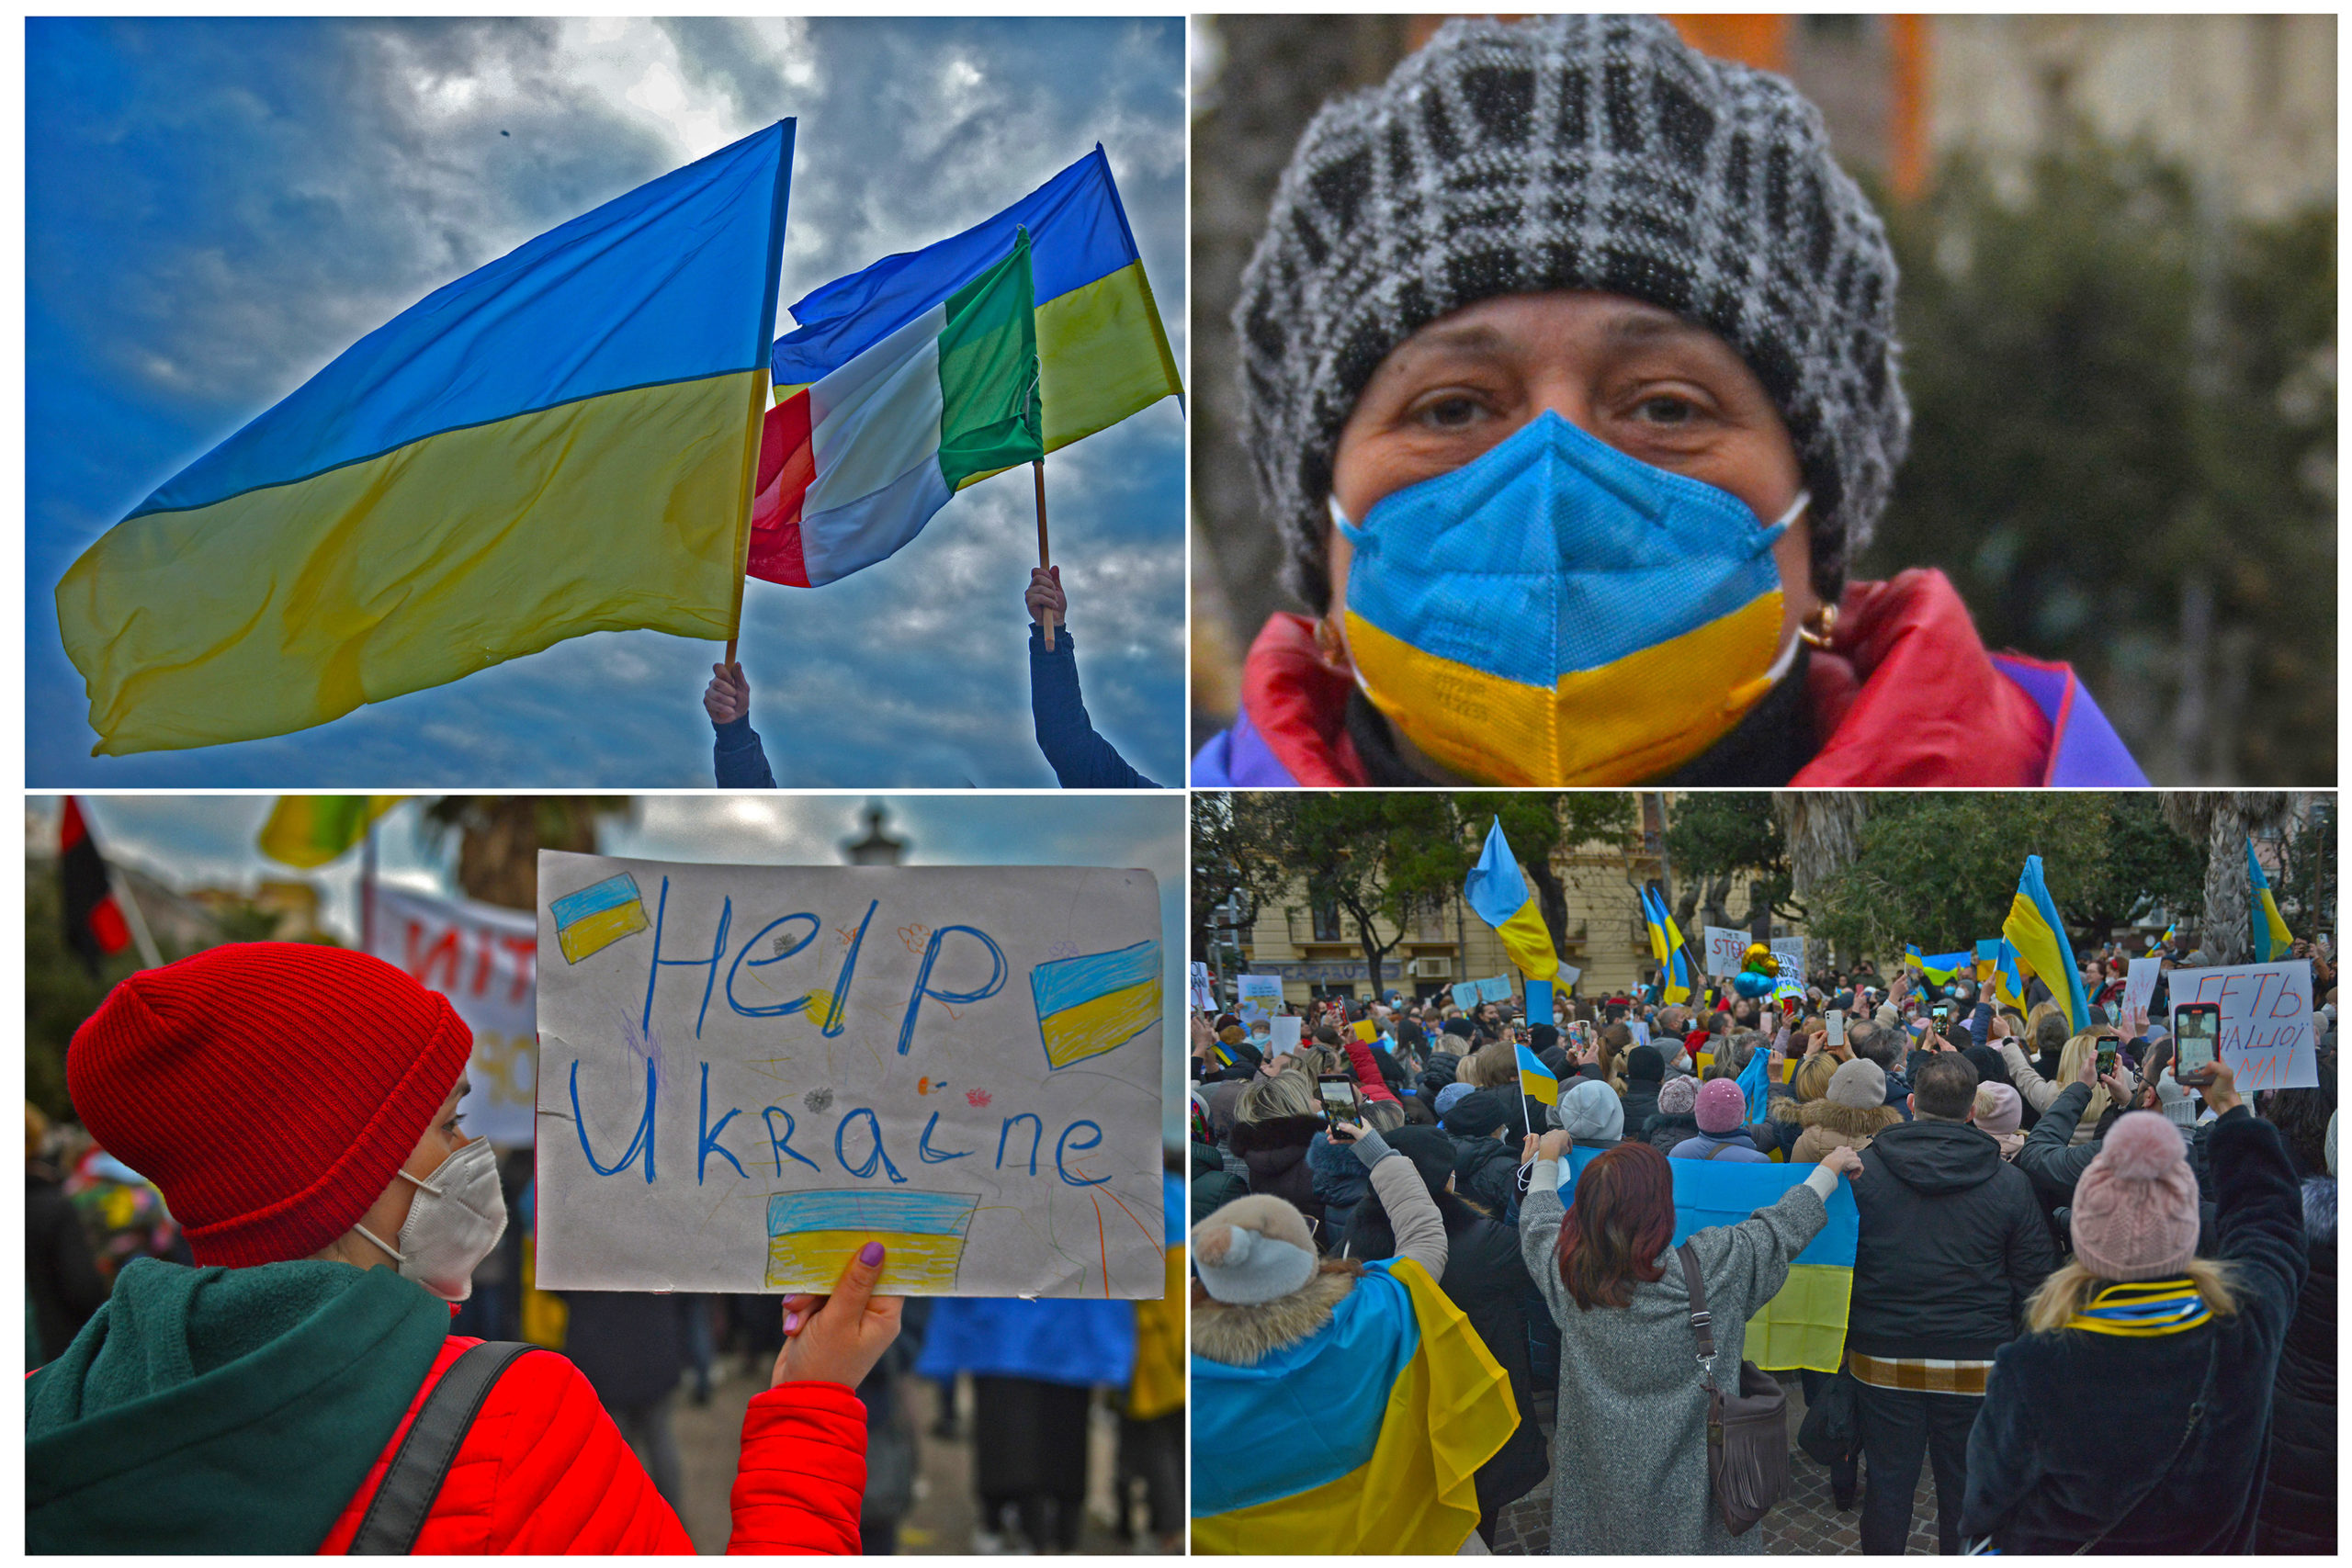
{"x": 2144, "y": 1309}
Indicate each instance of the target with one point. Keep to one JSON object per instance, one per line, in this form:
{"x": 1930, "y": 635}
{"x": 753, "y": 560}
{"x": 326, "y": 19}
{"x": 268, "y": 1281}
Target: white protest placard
{"x": 2266, "y": 1020}
{"x": 481, "y": 957}
{"x": 1204, "y": 990}
{"x": 1788, "y": 951}
{"x": 749, "y": 1072}
{"x": 2139, "y": 982}
{"x": 1640, "y": 1031}
{"x": 1465, "y": 995}
{"x": 1285, "y": 1031}
{"x": 1496, "y": 989}
{"x": 1726, "y": 947}
{"x": 1257, "y": 996}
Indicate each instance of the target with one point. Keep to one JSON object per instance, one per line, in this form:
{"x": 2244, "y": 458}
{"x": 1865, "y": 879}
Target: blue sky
{"x": 190, "y": 841}
{"x": 215, "y": 210}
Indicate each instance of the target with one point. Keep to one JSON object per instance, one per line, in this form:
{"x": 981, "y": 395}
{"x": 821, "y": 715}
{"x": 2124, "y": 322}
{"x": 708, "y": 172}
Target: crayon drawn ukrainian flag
{"x": 811, "y": 1236}
{"x": 597, "y": 916}
{"x": 1805, "y": 1324}
{"x": 1363, "y": 1437}
{"x": 1097, "y": 1001}
{"x": 558, "y": 443}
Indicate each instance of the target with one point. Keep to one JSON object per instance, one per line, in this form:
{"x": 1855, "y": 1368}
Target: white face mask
{"x": 458, "y": 1214}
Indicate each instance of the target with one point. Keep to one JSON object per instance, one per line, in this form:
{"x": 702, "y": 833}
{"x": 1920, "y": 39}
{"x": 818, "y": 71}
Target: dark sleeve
{"x": 2259, "y": 1215}
{"x": 737, "y": 757}
{"x": 2003, "y": 1466}
{"x": 1980, "y": 1023}
{"x": 2027, "y": 1254}
{"x": 2049, "y": 1155}
{"x": 1080, "y": 759}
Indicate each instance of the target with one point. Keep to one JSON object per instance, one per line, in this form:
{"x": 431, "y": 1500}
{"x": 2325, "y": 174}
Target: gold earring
{"x": 1328, "y": 645}
{"x": 1818, "y": 628}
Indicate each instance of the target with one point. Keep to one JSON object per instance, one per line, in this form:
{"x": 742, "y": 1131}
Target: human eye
{"x": 1666, "y": 411}
{"x": 1448, "y": 410}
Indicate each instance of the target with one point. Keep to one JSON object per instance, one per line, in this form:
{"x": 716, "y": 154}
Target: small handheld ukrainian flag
{"x": 2037, "y": 937}
{"x": 1536, "y": 1080}
{"x": 2164, "y": 941}
{"x": 2272, "y": 942}
{"x": 1996, "y": 967}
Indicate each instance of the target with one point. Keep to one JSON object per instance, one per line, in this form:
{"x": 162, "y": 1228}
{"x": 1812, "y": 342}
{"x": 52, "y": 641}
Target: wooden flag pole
{"x": 1044, "y": 558}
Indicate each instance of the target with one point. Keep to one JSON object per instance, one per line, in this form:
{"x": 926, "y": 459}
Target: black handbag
{"x": 1747, "y": 1432}
{"x": 1831, "y": 1432}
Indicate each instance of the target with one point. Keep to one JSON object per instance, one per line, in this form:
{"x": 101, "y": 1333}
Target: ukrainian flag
{"x": 1361, "y": 1437}
{"x": 1997, "y": 967}
{"x": 1095, "y": 1003}
{"x": 1497, "y": 894}
{"x": 2272, "y": 942}
{"x": 1667, "y": 947}
{"x": 1937, "y": 967}
{"x": 561, "y": 442}
{"x": 811, "y": 1234}
{"x": 310, "y": 830}
{"x": 2037, "y": 937}
{"x": 1536, "y": 1080}
{"x": 2164, "y": 941}
{"x": 597, "y": 916}
{"x": 1805, "y": 1324}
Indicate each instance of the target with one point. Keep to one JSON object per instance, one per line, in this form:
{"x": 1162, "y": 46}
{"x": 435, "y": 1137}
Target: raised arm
{"x": 1080, "y": 759}
{"x": 1412, "y": 1212}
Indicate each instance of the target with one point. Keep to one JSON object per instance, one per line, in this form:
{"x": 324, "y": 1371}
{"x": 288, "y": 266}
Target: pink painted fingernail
{"x": 870, "y": 1253}
{"x": 792, "y": 1322}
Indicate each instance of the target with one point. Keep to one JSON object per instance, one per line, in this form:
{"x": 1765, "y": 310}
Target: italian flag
{"x": 854, "y": 464}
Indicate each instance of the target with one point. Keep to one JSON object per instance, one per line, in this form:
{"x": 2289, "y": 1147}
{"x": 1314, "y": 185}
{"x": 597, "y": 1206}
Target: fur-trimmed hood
{"x": 1852, "y": 1121}
{"x": 1275, "y": 1132}
{"x": 1244, "y": 1335}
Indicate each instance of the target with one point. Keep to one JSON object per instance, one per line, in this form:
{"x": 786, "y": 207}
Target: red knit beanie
{"x": 268, "y": 1090}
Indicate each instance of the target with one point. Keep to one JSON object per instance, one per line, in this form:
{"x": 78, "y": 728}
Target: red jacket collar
{"x": 1904, "y": 695}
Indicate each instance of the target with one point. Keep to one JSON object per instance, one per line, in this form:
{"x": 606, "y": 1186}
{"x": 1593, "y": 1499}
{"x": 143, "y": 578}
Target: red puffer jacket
{"x": 543, "y": 1470}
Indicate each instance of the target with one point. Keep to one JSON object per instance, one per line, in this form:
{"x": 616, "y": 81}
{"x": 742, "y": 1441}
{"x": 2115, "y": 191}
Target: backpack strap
{"x": 414, "y": 1479}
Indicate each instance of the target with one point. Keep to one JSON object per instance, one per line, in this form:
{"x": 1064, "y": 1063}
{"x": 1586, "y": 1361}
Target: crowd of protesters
{"x": 2094, "y": 1296}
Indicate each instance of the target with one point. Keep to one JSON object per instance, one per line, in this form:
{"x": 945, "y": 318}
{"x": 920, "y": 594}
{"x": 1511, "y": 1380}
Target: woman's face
{"x": 440, "y": 1140}
{"x": 1641, "y": 378}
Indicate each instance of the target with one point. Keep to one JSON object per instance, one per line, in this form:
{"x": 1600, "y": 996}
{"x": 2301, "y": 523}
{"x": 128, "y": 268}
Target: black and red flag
{"x": 94, "y": 923}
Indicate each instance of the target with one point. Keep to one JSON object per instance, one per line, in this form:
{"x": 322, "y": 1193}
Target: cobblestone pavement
{"x": 1805, "y": 1521}
{"x": 709, "y": 1440}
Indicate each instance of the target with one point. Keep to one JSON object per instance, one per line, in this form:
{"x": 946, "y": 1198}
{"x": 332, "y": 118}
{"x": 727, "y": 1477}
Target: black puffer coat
{"x": 1664, "y": 1130}
{"x": 1275, "y": 1152}
{"x": 1213, "y": 1186}
{"x": 1951, "y": 1244}
{"x": 2299, "y": 1495}
{"x": 2073, "y": 1424}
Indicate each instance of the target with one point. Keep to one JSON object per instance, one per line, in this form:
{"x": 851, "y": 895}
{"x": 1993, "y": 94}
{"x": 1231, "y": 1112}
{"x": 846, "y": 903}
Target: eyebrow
{"x": 1641, "y": 324}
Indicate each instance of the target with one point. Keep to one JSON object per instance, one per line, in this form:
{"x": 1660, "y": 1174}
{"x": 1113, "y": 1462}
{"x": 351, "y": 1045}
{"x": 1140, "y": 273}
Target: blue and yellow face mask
{"x": 1557, "y": 613}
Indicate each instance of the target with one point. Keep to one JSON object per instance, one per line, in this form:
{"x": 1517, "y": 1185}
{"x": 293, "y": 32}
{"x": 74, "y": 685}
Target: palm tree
{"x": 500, "y": 837}
{"x": 2224, "y": 819}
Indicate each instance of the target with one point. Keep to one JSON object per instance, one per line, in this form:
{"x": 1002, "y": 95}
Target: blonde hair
{"x": 1316, "y": 1060}
{"x": 2070, "y": 1065}
{"x": 1814, "y": 1074}
{"x": 1490, "y": 1066}
{"x": 2068, "y": 1290}
{"x": 1287, "y": 1093}
{"x": 1383, "y": 1115}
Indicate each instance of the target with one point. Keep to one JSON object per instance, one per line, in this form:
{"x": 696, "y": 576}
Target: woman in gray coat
{"x": 1629, "y": 1458}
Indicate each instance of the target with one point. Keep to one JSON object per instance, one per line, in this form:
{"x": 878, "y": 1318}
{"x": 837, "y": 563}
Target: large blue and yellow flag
{"x": 1996, "y": 970}
{"x": 1805, "y": 1324}
{"x": 1364, "y": 1436}
{"x": 1498, "y": 895}
{"x": 2272, "y": 942}
{"x": 561, "y": 442}
{"x": 1667, "y": 947}
{"x": 2037, "y": 937}
{"x": 1937, "y": 969}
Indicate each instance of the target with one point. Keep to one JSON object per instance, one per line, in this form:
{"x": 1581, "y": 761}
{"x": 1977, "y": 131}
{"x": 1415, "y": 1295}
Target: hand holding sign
{"x": 838, "y": 1338}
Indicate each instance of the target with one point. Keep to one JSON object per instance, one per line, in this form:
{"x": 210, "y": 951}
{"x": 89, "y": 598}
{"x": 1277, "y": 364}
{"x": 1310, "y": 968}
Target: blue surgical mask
{"x": 1557, "y": 613}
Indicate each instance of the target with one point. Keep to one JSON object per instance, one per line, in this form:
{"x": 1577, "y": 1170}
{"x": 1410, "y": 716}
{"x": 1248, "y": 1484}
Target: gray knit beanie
{"x": 1573, "y": 153}
{"x": 1255, "y": 1249}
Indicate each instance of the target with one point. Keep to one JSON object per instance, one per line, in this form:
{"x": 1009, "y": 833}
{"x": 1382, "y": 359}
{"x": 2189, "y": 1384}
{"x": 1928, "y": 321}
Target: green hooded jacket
{"x": 222, "y": 1410}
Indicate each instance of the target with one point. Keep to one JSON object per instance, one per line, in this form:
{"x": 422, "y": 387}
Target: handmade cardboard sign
{"x": 747, "y": 1073}
{"x": 1284, "y": 1031}
{"x": 1204, "y": 990}
{"x": 480, "y": 957}
{"x": 1725, "y": 948}
{"x": 2140, "y": 984}
{"x": 2266, "y": 1020}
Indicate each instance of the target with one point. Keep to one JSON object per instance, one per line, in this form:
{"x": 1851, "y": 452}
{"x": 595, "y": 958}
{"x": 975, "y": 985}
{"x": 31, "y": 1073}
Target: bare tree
{"x": 500, "y": 837}
{"x": 1823, "y": 831}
